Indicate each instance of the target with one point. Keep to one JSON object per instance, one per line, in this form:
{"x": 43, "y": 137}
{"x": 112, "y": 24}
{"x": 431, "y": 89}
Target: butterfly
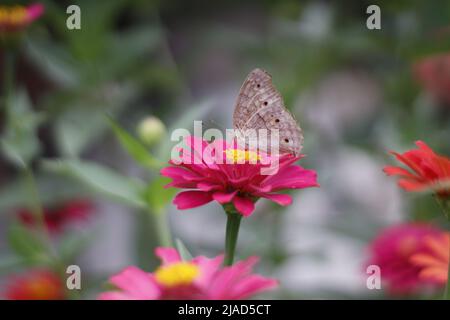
{"x": 260, "y": 106}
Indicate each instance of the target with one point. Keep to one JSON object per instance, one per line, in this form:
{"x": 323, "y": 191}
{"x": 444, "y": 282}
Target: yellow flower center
{"x": 15, "y": 15}
{"x": 242, "y": 156}
{"x": 180, "y": 273}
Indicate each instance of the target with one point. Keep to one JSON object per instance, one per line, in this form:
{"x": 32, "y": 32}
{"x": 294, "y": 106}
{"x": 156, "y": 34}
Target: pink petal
{"x": 116, "y": 295}
{"x": 191, "y": 199}
{"x": 179, "y": 173}
{"x": 246, "y": 266}
{"x": 230, "y": 283}
{"x": 409, "y": 160}
{"x": 34, "y": 11}
{"x": 281, "y": 199}
{"x": 243, "y": 205}
{"x": 294, "y": 177}
{"x": 192, "y": 154}
{"x": 286, "y": 160}
{"x": 223, "y": 197}
{"x": 176, "y": 183}
{"x": 207, "y": 186}
{"x": 167, "y": 255}
{"x": 197, "y": 145}
{"x": 252, "y": 285}
{"x": 209, "y": 268}
{"x": 222, "y": 283}
{"x": 392, "y": 170}
{"x": 136, "y": 282}
{"x": 412, "y": 185}
{"x": 424, "y": 147}
{"x": 259, "y": 188}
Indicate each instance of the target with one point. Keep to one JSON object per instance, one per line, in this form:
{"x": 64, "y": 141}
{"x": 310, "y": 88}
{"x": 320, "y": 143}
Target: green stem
{"x": 8, "y": 82}
{"x": 39, "y": 216}
{"x": 162, "y": 229}
{"x": 36, "y": 208}
{"x": 34, "y": 202}
{"x": 231, "y": 234}
{"x": 30, "y": 181}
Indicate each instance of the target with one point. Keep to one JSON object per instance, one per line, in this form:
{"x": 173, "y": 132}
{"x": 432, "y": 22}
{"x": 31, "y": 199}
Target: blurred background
{"x": 82, "y": 100}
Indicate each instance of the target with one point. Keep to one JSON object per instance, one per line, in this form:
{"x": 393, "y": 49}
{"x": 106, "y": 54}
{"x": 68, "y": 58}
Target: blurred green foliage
{"x": 76, "y": 89}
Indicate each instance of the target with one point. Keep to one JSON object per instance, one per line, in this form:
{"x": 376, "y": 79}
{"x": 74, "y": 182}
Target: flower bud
{"x": 151, "y": 130}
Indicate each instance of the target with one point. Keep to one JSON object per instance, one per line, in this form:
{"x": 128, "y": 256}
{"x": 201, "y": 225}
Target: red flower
{"x": 16, "y": 18}
{"x": 57, "y": 217}
{"x": 200, "y": 278}
{"x": 430, "y": 171}
{"x": 434, "y": 74}
{"x": 392, "y": 250}
{"x": 35, "y": 285}
{"x": 434, "y": 263}
{"x": 237, "y": 178}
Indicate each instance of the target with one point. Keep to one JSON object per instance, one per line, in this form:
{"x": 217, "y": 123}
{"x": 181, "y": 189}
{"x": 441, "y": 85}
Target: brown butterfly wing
{"x": 260, "y": 106}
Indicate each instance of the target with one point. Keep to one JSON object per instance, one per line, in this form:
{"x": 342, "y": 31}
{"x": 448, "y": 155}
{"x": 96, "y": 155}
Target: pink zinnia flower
{"x": 16, "y": 18}
{"x": 200, "y": 278}
{"x": 434, "y": 263}
{"x": 59, "y": 216}
{"x": 35, "y": 285}
{"x": 392, "y": 250}
{"x": 433, "y": 73}
{"x": 236, "y": 179}
{"x": 428, "y": 170}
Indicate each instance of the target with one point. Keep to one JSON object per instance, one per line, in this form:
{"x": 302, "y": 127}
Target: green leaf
{"x": 72, "y": 244}
{"x": 27, "y": 244}
{"x": 11, "y": 150}
{"x": 100, "y": 179}
{"x": 52, "y": 189}
{"x": 127, "y": 49}
{"x": 20, "y": 143}
{"x": 157, "y": 196}
{"x": 135, "y": 148}
{"x": 53, "y": 60}
{"x": 83, "y": 121}
{"x": 182, "y": 250}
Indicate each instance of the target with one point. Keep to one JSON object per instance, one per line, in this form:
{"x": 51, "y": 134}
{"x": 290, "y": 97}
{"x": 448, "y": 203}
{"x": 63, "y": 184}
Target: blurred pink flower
{"x": 17, "y": 17}
{"x": 59, "y": 216}
{"x": 35, "y": 285}
{"x": 433, "y": 73}
{"x": 392, "y": 250}
{"x": 239, "y": 181}
{"x": 199, "y": 278}
{"x": 429, "y": 170}
{"x": 434, "y": 263}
